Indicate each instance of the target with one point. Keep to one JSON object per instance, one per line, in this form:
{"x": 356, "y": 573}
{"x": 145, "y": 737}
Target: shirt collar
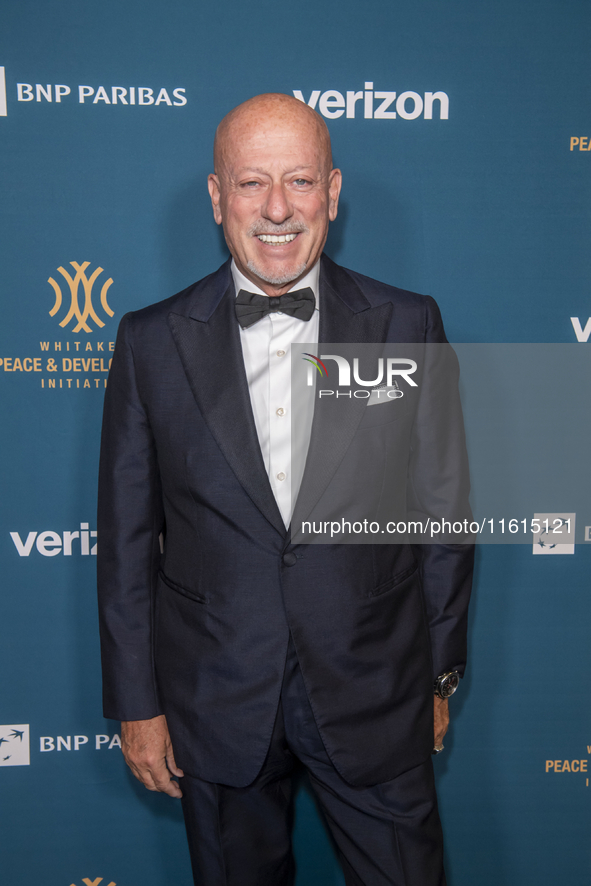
{"x": 311, "y": 279}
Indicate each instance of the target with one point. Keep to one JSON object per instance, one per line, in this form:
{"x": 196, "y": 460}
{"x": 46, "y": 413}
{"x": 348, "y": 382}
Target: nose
{"x": 277, "y": 207}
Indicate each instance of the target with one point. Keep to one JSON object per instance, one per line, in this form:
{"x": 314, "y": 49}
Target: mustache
{"x": 265, "y": 227}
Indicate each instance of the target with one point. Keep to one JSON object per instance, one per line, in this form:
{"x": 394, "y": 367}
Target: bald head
{"x": 265, "y": 114}
{"x": 274, "y": 189}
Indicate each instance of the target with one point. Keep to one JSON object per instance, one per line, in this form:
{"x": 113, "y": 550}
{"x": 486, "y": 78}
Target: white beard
{"x": 279, "y": 280}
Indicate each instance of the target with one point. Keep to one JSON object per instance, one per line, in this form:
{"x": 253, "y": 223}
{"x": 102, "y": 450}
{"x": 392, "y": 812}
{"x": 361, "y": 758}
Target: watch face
{"x": 449, "y": 685}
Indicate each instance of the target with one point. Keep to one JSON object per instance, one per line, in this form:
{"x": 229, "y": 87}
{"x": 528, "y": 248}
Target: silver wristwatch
{"x": 446, "y": 684}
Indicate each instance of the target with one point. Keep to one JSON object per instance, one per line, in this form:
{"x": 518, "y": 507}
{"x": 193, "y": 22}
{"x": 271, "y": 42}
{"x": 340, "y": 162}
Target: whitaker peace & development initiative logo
{"x": 569, "y": 766}
{"x": 80, "y": 306}
{"x": 74, "y": 312}
{"x": 88, "y": 882}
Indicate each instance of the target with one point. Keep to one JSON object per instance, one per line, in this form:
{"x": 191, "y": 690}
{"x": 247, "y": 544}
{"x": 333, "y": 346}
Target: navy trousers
{"x": 385, "y": 835}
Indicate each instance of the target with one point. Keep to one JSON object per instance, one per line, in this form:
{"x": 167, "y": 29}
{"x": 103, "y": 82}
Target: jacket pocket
{"x": 383, "y": 413}
{"x": 191, "y": 595}
{"x": 392, "y": 582}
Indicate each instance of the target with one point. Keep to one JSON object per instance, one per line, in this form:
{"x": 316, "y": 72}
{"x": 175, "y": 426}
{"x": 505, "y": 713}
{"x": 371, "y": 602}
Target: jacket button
{"x": 289, "y": 559}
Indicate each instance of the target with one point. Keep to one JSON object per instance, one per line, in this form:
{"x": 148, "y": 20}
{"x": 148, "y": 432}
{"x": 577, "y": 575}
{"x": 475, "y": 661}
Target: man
{"x": 236, "y": 651}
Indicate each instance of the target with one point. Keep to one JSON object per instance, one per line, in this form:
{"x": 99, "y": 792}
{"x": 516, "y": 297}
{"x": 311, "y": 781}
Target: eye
{"x": 300, "y": 182}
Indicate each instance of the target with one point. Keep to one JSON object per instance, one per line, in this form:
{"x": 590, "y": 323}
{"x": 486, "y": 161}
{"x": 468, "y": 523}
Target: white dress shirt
{"x": 266, "y": 348}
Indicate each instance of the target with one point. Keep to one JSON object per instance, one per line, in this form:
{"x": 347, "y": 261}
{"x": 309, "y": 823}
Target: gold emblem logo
{"x": 88, "y": 311}
{"x": 88, "y": 882}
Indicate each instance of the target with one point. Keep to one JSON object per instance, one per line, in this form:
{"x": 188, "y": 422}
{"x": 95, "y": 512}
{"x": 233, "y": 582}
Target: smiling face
{"x": 274, "y": 189}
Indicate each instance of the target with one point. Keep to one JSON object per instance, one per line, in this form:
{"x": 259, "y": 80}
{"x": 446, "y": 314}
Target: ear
{"x": 213, "y": 186}
{"x": 335, "y": 180}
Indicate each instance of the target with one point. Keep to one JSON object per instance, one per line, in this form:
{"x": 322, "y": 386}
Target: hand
{"x": 441, "y": 719}
{"x": 148, "y": 752}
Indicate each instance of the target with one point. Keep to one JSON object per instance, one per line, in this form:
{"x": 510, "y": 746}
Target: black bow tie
{"x": 251, "y": 307}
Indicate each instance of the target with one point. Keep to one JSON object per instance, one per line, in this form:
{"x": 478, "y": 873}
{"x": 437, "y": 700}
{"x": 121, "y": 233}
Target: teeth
{"x": 274, "y": 238}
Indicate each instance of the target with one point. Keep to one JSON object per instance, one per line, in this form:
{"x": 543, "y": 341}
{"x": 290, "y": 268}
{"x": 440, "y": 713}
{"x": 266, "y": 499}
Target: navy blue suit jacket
{"x": 200, "y": 632}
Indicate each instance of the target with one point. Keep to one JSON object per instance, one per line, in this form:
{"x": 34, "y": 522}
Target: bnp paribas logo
{"x": 78, "y": 298}
{"x": 14, "y": 745}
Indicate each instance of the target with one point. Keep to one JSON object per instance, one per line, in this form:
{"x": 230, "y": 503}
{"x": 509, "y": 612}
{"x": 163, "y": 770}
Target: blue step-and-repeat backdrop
{"x": 464, "y": 134}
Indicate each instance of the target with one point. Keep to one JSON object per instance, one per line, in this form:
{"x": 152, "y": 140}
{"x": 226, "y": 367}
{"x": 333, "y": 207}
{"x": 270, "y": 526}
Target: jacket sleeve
{"x": 130, "y": 520}
{"x": 438, "y": 490}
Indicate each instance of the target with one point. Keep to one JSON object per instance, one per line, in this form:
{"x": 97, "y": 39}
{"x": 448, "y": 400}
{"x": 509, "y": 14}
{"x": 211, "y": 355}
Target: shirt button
{"x": 281, "y": 411}
{"x": 281, "y": 475}
{"x": 281, "y": 353}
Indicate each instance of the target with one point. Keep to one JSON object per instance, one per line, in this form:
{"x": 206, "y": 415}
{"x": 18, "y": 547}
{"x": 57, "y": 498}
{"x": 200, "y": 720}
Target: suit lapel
{"x": 208, "y": 341}
{"x": 346, "y": 316}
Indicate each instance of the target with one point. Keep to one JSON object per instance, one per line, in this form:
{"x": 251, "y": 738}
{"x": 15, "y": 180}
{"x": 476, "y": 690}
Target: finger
{"x": 157, "y": 781}
{"x": 173, "y": 789}
{"x": 154, "y": 774}
{"x": 171, "y": 763}
{"x": 163, "y": 781}
{"x": 170, "y": 787}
